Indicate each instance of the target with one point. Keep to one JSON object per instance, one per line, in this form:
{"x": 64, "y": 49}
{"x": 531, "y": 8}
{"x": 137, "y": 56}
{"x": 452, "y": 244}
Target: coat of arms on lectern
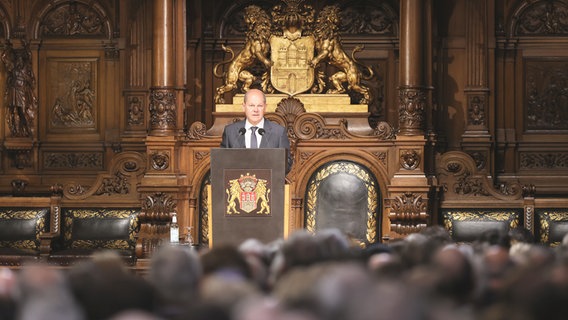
{"x": 247, "y": 192}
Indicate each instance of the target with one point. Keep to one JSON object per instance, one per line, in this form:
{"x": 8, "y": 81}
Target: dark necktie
{"x": 253, "y": 142}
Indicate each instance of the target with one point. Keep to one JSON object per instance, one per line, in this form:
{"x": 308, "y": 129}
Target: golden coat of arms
{"x": 247, "y": 192}
{"x": 290, "y": 45}
{"x": 291, "y": 71}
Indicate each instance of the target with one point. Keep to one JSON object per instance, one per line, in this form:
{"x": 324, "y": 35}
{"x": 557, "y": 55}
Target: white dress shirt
{"x": 248, "y": 132}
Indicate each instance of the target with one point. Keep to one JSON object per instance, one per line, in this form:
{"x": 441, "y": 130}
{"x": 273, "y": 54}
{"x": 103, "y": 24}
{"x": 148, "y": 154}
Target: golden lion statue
{"x": 328, "y": 46}
{"x": 257, "y": 46}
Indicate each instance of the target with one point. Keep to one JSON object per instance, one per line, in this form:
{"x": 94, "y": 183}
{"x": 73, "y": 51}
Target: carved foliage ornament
{"x": 162, "y": 109}
{"x": 196, "y": 131}
{"x": 459, "y": 176}
{"x": 135, "y": 111}
{"x": 408, "y": 207}
{"x": 411, "y": 109}
{"x": 73, "y": 19}
{"x": 312, "y": 126}
{"x": 547, "y": 219}
{"x": 547, "y": 161}
{"x": 367, "y": 18}
{"x": 384, "y": 131}
{"x": 548, "y": 17}
{"x": 125, "y": 168}
{"x": 84, "y": 160}
{"x": 118, "y": 184}
{"x": 158, "y": 206}
{"x": 476, "y": 110}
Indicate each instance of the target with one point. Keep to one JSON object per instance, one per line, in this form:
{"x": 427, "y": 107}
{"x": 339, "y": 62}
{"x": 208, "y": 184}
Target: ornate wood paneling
{"x": 482, "y": 84}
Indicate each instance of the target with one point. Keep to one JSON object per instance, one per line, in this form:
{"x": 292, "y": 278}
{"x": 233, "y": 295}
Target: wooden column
{"x": 408, "y": 193}
{"x": 163, "y": 115}
{"x": 164, "y": 187}
{"x": 412, "y": 89}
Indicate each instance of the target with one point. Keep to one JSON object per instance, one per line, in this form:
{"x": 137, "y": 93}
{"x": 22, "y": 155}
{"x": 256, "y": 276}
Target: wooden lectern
{"x": 247, "y": 197}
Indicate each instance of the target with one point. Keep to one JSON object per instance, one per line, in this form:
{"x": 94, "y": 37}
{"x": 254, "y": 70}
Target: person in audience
{"x": 458, "y": 281}
{"x": 319, "y": 276}
{"x": 175, "y": 274}
{"x": 104, "y": 287}
{"x": 45, "y": 294}
{"x": 8, "y": 284}
{"x": 257, "y": 257}
{"x": 225, "y": 260}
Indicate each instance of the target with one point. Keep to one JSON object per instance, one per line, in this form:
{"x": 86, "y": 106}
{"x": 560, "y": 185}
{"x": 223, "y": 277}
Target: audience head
{"x": 104, "y": 287}
{"x": 45, "y": 294}
{"x": 225, "y": 260}
{"x": 175, "y": 274}
{"x": 421, "y": 275}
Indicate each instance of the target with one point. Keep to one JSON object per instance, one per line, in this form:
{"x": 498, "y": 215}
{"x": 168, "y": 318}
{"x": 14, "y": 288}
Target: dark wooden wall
{"x": 498, "y": 75}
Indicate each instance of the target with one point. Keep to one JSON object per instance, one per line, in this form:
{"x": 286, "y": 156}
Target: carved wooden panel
{"x": 75, "y": 19}
{"x": 135, "y": 112}
{"x": 545, "y": 17}
{"x": 72, "y": 97}
{"x": 546, "y": 90}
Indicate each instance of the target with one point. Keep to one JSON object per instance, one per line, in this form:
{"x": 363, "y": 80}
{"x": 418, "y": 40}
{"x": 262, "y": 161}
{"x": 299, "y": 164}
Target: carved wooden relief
{"x": 476, "y": 110}
{"x": 73, "y": 160}
{"x": 135, "y": 118}
{"x": 120, "y": 181}
{"x": 480, "y": 159}
{"x": 409, "y": 213}
{"x": 543, "y": 160}
{"x": 545, "y": 17}
{"x": 162, "y": 109}
{"x": 412, "y": 102}
{"x": 72, "y": 94}
{"x": 460, "y": 178}
{"x": 160, "y": 160}
{"x": 19, "y": 93}
{"x": 546, "y": 90}
{"x": 74, "y": 19}
{"x": 368, "y": 17}
{"x": 409, "y": 159}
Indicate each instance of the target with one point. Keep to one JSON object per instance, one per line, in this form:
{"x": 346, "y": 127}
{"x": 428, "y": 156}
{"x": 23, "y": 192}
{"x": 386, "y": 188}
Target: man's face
{"x": 254, "y": 107}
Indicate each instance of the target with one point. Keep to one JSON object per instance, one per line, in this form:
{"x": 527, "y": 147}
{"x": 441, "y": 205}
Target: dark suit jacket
{"x": 275, "y": 136}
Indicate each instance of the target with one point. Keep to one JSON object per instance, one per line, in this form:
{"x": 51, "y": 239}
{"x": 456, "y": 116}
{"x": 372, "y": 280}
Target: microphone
{"x": 242, "y": 131}
{"x": 261, "y": 131}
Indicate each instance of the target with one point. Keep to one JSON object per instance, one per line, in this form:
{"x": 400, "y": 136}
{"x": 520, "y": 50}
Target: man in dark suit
{"x": 256, "y": 131}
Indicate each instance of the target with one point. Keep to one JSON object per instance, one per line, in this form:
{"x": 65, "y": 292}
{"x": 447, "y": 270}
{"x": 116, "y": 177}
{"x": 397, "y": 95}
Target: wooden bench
{"x": 85, "y": 230}
{"x": 27, "y": 226}
{"x": 469, "y": 224}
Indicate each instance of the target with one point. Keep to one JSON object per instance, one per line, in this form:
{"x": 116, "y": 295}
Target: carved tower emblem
{"x": 291, "y": 71}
